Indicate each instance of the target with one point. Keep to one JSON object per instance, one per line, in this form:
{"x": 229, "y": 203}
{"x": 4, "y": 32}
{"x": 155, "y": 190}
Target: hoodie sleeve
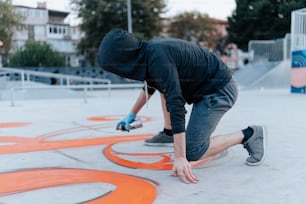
{"x": 163, "y": 73}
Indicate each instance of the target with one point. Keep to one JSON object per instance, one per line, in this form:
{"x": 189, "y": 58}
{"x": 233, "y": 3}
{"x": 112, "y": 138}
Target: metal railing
{"x": 66, "y": 82}
{"x": 271, "y": 50}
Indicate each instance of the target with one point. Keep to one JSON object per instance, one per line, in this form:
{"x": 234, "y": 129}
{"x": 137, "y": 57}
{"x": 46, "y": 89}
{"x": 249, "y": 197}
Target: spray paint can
{"x": 133, "y": 125}
{"x": 136, "y": 124}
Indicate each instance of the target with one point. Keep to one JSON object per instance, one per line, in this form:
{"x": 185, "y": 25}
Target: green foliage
{"x": 261, "y": 20}
{"x": 100, "y": 16}
{"x": 36, "y": 54}
{"x": 195, "y": 27}
{"x": 9, "y": 21}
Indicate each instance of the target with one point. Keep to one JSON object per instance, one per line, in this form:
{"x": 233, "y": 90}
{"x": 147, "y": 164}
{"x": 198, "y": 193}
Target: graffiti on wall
{"x": 298, "y": 72}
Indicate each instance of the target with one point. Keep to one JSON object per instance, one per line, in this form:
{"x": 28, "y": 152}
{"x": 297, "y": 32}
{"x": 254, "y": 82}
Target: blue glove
{"x": 124, "y": 124}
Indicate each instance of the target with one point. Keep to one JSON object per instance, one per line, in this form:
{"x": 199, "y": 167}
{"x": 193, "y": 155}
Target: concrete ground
{"x": 63, "y": 151}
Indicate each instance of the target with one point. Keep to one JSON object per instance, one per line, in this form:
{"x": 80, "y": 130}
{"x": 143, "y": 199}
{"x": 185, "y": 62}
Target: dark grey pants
{"x": 204, "y": 118}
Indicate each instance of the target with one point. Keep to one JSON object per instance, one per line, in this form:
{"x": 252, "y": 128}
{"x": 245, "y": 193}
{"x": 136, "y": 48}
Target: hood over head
{"x": 122, "y": 54}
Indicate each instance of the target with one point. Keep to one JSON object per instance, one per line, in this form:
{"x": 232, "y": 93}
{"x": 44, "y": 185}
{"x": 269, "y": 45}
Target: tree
{"x": 99, "y": 16}
{"x": 261, "y": 20}
{"x": 9, "y": 21}
{"x": 36, "y": 54}
{"x": 195, "y": 27}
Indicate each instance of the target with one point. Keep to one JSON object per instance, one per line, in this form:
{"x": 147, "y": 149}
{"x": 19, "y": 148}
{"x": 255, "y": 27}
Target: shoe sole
{"x": 265, "y": 143}
{"x": 159, "y": 144}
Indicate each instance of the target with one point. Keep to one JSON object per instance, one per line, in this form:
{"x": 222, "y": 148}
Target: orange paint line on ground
{"x": 162, "y": 164}
{"x": 13, "y": 139}
{"x": 13, "y": 125}
{"x": 129, "y": 189}
{"x": 71, "y": 130}
{"x": 102, "y": 118}
{"x": 86, "y": 127}
{"x": 112, "y": 118}
{"x": 39, "y": 145}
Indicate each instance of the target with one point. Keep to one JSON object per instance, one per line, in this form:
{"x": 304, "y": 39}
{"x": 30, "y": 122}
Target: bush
{"x": 36, "y": 54}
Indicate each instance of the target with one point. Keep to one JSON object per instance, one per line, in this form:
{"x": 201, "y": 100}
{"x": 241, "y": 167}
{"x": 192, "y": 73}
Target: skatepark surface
{"x": 65, "y": 151}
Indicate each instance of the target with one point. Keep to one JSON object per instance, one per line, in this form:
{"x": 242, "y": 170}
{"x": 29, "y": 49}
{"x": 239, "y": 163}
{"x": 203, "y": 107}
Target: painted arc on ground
{"x": 133, "y": 190}
{"x": 165, "y": 163}
{"x": 115, "y": 118}
{"x": 35, "y": 144}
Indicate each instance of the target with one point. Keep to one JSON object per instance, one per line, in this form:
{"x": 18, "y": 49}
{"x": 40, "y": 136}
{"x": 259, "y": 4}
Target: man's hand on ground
{"x": 182, "y": 170}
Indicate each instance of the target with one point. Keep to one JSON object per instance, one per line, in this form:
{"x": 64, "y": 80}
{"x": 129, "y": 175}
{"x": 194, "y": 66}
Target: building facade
{"x": 49, "y": 26}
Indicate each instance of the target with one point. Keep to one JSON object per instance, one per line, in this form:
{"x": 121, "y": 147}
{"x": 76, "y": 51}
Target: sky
{"x": 219, "y": 9}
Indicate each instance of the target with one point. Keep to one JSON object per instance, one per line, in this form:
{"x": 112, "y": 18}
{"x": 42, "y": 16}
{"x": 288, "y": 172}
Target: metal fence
{"x": 271, "y": 50}
{"x": 298, "y": 29}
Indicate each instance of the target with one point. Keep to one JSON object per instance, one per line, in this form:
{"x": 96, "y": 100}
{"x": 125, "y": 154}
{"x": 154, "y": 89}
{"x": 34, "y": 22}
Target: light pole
{"x": 129, "y": 16}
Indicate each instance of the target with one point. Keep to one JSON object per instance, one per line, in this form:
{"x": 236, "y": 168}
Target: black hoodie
{"x": 180, "y": 70}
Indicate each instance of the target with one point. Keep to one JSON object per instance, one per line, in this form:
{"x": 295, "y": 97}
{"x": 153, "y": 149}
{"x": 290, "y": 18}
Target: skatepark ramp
{"x": 278, "y": 77}
{"x": 265, "y": 75}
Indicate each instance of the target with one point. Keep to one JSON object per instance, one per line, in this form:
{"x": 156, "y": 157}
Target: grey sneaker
{"x": 161, "y": 139}
{"x": 256, "y": 146}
